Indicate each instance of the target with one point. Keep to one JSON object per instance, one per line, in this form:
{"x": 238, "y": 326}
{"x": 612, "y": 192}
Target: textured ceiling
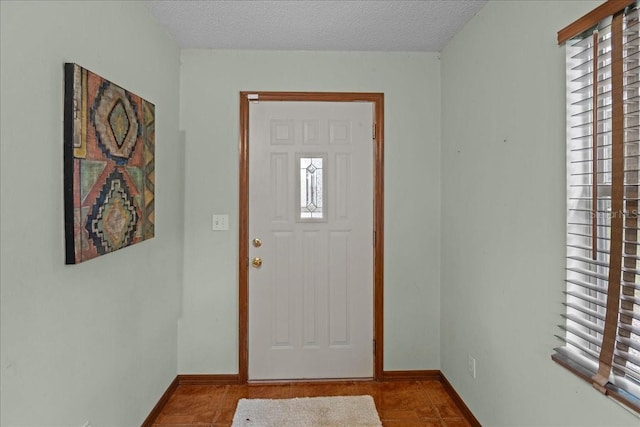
{"x": 365, "y": 25}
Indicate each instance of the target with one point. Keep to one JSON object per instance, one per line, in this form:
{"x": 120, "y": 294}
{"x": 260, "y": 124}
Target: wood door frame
{"x": 377, "y": 99}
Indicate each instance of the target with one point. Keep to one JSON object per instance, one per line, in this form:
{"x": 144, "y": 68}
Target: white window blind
{"x": 600, "y": 332}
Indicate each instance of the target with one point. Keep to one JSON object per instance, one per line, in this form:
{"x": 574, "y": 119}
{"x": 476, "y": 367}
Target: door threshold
{"x": 309, "y": 381}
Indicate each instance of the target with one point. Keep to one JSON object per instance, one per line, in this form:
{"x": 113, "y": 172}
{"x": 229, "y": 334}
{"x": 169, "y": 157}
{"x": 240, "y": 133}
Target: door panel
{"x": 311, "y": 204}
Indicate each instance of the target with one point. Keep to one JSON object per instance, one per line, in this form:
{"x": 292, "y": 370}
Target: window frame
{"x": 603, "y": 284}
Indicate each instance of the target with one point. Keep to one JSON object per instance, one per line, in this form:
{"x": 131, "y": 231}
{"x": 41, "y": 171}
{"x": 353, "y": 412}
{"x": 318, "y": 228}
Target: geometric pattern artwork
{"x": 109, "y": 173}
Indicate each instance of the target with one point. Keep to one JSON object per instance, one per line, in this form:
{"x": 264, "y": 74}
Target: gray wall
{"x": 94, "y": 342}
{"x": 210, "y": 82}
{"x": 503, "y": 210}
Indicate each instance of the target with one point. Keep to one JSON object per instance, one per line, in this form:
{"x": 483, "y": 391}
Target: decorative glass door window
{"x": 311, "y": 184}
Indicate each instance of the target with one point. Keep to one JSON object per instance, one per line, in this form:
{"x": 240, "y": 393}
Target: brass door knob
{"x": 256, "y": 262}
{"x": 257, "y": 242}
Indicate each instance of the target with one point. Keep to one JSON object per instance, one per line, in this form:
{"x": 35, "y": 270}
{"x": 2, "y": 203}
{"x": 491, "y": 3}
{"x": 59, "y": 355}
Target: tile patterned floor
{"x": 399, "y": 403}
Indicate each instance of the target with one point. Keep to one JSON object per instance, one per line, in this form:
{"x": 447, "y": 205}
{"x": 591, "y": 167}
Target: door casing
{"x": 377, "y": 99}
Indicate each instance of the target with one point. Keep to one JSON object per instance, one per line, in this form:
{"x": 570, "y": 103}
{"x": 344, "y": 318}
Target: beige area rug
{"x": 343, "y": 411}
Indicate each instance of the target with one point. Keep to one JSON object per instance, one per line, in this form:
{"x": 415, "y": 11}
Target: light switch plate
{"x": 220, "y": 222}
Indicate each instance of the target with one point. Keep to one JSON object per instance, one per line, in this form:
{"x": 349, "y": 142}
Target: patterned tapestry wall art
{"x": 109, "y": 137}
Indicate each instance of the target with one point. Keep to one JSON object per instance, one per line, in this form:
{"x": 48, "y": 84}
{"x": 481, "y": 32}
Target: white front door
{"x": 311, "y": 211}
